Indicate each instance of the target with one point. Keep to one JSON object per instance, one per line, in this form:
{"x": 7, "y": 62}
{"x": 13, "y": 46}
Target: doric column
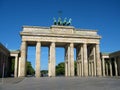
{"x": 103, "y": 66}
{"x": 52, "y": 60}
{"x": 16, "y": 67}
{"x": 85, "y": 59}
{"x": 19, "y": 62}
{"x": 22, "y": 69}
{"x": 94, "y": 60}
{"x": 92, "y": 69}
{"x": 98, "y": 60}
{"x": 71, "y": 59}
{"x": 82, "y": 62}
{"x": 38, "y": 52}
{"x": 49, "y": 66}
{"x": 116, "y": 71}
{"x": 110, "y": 68}
{"x": 67, "y": 60}
{"x": 79, "y": 60}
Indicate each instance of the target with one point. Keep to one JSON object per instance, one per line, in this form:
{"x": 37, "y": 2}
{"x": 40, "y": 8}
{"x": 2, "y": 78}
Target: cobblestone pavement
{"x": 61, "y": 83}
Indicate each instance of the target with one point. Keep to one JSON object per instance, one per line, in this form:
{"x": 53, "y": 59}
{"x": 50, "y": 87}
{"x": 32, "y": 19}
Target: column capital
{"x": 71, "y": 44}
{"x": 38, "y": 41}
{"x": 23, "y": 41}
{"x": 84, "y": 43}
{"x": 52, "y": 43}
{"x": 97, "y": 43}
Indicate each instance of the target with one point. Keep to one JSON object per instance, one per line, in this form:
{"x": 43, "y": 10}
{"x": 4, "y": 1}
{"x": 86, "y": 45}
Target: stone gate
{"x": 86, "y": 43}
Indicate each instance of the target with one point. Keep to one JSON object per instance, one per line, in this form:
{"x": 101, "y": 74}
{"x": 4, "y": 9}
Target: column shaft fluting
{"x": 98, "y": 60}
{"x": 38, "y": 52}
{"x": 103, "y": 66}
{"x": 85, "y": 59}
{"x": 92, "y": 69}
{"x": 94, "y": 60}
{"x": 82, "y": 62}
{"x": 67, "y": 60}
{"x": 22, "y": 69}
{"x": 116, "y": 70}
{"x": 16, "y": 67}
{"x": 71, "y": 59}
{"x": 52, "y": 60}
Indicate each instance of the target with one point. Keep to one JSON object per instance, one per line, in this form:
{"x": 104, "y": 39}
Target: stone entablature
{"x": 62, "y": 33}
{"x": 59, "y": 30}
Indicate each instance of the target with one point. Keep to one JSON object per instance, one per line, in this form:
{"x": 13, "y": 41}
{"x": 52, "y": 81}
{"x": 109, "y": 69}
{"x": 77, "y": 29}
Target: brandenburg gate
{"x": 86, "y": 43}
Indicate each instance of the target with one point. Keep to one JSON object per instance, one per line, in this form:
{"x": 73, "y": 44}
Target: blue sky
{"x": 103, "y": 15}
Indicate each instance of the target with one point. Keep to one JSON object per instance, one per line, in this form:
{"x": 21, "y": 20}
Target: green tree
{"x": 44, "y": 72}
{"x": 75, "y": 67}
{"x": 30, "y": 70}
{"x": 60, "y": 68}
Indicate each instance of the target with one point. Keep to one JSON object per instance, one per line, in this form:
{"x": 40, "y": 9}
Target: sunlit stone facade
{"x": 86, "y": 43}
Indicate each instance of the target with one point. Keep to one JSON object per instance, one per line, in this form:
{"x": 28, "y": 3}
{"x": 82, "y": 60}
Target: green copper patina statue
{"x": 55, "y": 22}
{"x": 69, "y": 22}
{"x": 59, "y": 21}
{"x": 64, "y": 23}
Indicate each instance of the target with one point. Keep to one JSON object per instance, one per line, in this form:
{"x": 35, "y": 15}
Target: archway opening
{"x": 75, "y": 62}
{"x": 44, "y": 61}
{"x": 60, "y": 64}
{"x": 30, "y": 64}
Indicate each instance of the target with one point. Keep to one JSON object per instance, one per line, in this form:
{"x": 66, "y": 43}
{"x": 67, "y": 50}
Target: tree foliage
{"x": 30, "y": 70}
{"x": 44, "y": 73}
{"x": 75, "y": 67}
{"x": 60, "y": 68}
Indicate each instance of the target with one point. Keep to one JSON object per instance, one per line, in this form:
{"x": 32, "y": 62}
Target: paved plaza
{"x": 61, "y": 83}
